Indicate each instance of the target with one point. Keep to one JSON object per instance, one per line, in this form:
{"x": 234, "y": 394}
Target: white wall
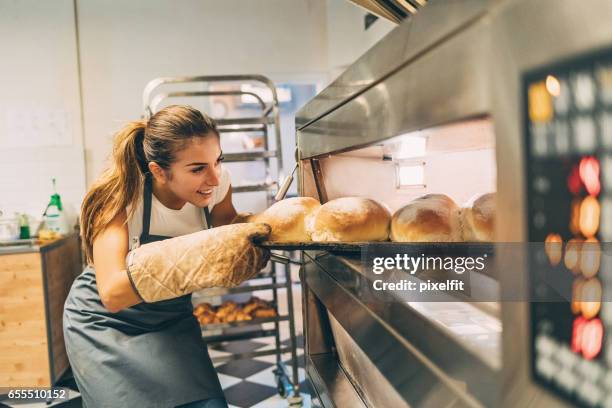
{"x": 126, "y": 44}
{"x": 347, "y": 38}
{"x": 40, "y": 123}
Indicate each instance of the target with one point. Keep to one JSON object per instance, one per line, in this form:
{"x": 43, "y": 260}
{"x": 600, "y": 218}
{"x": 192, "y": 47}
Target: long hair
{"x": 134, "y": 147}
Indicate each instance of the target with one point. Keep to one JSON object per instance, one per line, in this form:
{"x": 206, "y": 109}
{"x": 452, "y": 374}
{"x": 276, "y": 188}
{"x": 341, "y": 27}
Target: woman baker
{"x": 155, "y": 228}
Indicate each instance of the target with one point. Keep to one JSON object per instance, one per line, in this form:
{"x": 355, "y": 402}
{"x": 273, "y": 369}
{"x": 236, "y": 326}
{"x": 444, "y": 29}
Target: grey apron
{"x": 147, "y": 355}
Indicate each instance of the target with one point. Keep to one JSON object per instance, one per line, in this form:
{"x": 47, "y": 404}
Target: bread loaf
{"x": 288, "y": 219}
{"x": 477, "y": 220}
{"x": 351, "y": 219}
{"x": 430, "y": 218}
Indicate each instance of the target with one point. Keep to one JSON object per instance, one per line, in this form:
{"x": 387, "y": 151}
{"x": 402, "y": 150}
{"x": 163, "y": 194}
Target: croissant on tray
{"x": 230, "y": 311}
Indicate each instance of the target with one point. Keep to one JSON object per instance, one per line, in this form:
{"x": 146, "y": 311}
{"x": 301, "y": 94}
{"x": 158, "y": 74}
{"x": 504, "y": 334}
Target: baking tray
{"x": 346, "y": 247}
{"x": 316, "y": 246}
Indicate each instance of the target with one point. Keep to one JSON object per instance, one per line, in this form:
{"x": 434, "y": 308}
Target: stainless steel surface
{"x": 283, "y": 259}
{"x": 451, "y": 62}
{"x": 249, "y": 156}
{"x": 19, "y": 242}
{"x": 160, "y": 97}
{"x": 244, "y": 121}
{"x": 345, "y": 247}
{"x": 377, "y": 391}
{"x": 254, "y": 187}
{"x": 318, "y": 181}
{"x": 434, "y": 366}
{"x": 284, "y": 187}
{"x": 152, "y": 97}
{"x": 528, "y": 35}
{"x": 413, "y": 91}
{"x": 331, "y": 384}
{"x": 154, "y": 84}
{"x": 411, "y": 40}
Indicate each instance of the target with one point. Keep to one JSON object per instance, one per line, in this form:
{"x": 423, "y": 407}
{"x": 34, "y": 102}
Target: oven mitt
{"x": 218, "y": 257}
{"x": 242, "y": 217}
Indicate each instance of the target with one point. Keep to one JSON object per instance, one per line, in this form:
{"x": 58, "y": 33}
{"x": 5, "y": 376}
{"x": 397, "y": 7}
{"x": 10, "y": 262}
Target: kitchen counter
{"x": 36, "y": 246}
{"x": 34, "y": 283}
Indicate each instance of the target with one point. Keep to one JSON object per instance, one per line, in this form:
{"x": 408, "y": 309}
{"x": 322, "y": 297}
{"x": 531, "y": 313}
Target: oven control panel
{"x": 568, "y": 155}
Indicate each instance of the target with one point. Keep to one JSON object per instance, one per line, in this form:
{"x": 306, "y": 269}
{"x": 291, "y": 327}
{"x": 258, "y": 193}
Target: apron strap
{"x": 146, "y": 212}
{"x": 207, "y": 217}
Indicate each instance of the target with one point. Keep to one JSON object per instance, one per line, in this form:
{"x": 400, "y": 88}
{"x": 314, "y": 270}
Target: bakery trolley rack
{"x": 267, "y": 124}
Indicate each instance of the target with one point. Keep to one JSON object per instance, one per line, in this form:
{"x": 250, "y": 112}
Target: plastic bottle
{"x": 55, "y": 219}
{"x": 24, "y": 227}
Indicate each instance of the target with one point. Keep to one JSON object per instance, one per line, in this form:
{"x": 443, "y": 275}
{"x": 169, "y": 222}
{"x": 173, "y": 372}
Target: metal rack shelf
{"x": 249, "y": 156}
{"x": 248, "y": 335}
{"x": 243, "y": 289}
{"x": 255, "y": 187}
{"x": 268, "y": 123}
{"x": 250, "y": 354}
{"x": 244, "y": 323}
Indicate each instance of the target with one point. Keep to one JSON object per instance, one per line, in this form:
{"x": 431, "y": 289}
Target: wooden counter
{"x": 34, "y": 283}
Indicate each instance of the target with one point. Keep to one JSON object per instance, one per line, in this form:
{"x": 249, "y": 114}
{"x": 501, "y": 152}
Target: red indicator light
{"x": 574, "y": 184}
{"x": 587, "y": 337}
{"x": 589, "y": 174}
{"x": 592, "y": 337}
{"x": 577, "y": 334}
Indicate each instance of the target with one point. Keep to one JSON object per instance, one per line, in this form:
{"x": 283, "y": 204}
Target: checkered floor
{"x": 251, "y": 382}
{"x": 247, "y": 382}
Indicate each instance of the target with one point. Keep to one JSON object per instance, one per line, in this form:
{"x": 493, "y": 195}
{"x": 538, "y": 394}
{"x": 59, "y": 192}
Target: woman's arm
{"x": 224, "y": 212}
{"x": 109, "y": 251}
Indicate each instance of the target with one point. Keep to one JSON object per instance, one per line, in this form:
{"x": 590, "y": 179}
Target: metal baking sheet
{"x": 358, "y": 246}
{"x": 316, "y": 246}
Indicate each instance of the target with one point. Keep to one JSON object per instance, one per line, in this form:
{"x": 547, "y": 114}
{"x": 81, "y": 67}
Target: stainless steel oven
{"x": 467, "y": 97}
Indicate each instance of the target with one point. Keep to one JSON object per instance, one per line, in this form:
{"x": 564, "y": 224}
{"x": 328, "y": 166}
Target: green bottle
{"x": 24, "y": 227}
{"x": 55, "y": 219}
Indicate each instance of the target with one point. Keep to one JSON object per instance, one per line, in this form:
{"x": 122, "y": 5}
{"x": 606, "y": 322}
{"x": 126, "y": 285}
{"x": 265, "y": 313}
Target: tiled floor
{"x": 248, "y": 382}
{"x": 252, "y": 383}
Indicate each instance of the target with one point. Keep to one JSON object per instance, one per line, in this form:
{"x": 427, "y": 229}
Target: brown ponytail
{"x": 137, "y": 144}
{"x": 118, "y": 187}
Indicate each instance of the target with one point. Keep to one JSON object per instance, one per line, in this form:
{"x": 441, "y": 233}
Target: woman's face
{"x": 196, "y": 170}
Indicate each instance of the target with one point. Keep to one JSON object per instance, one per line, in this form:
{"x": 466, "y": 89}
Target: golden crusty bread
{"x": 430, "y": 218}
{"x": 288, "y": 219}
{"x": 478, "y": 220}
{"x": 351, "y": 219}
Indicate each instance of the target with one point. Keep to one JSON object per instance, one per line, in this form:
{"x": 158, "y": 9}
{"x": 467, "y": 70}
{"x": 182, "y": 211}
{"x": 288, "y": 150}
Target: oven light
{"x": 589, "y": 216}
{"x": 410, "y": 147}
{"x": 553, "y": 246}
{"x": 589, "y": 174}
{"x": 540, "y": 103}
{"x": 572, "y": 255}
{"x": 574, "y": 226}
{"x": 410, "y": 175}
{"x": 576, "y": 304}
{"x": 553, "y": 86}
{"x": 590, "y": 257}
{"x": 590, "y": 298}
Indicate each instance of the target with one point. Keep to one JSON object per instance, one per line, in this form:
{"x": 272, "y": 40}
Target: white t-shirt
{"x": 173, "y": 223}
